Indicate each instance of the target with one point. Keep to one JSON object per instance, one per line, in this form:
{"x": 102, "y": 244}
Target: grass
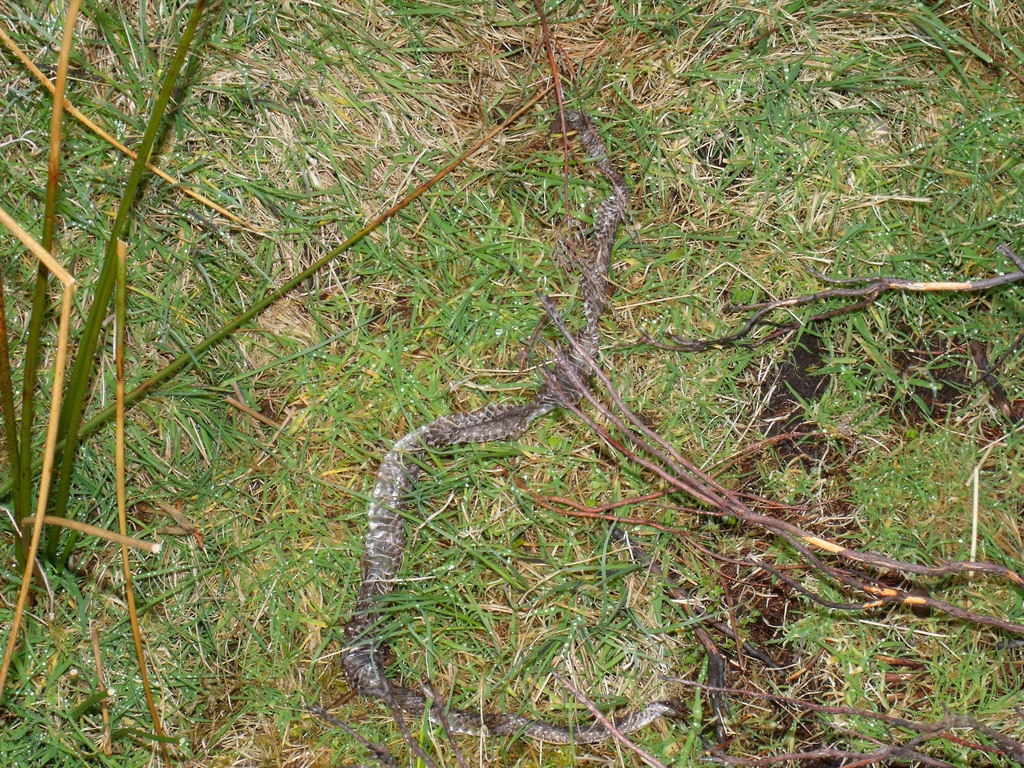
{"x": 868, "y": 138}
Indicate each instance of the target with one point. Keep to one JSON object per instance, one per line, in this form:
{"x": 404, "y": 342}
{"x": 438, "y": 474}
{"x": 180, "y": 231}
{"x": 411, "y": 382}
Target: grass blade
{"x": 119, "y": 471}
{"x": 49, "y": 451}
{"x": 81, "y": 372}
{"x": 7, "y": 404}
{"x": 23, "y": 491}
{"x": 195, "y": 352}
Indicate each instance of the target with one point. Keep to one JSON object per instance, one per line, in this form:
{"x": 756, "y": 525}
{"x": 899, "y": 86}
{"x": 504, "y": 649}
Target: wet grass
{"x": 857, "y": 139}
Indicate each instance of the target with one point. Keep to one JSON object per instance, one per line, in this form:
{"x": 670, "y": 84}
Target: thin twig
{"x": 379, "y": 751}
{"x": 995, "y": 388}
{"x": 996, "y": 61}
{"x": 184, "y": 526}
{"x": 410, "y": 740}
{"x": 716, "y": 662}
{"x": 869, "y": 290}
{"x": 682, "y": 474}
{"x": 793, "y": 584}
{"x": 436, "y": 705}
{"x": 252, "y": 412}
{"x": 644, "y": 755}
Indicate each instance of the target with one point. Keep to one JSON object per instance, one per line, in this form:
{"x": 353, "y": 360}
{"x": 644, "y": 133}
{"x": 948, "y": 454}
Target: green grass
{"x": 859, "y": 139}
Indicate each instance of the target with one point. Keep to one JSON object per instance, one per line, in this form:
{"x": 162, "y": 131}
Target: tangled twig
{"x": 1005, "y": 745}
{"x": 868, "y": 290}
{"x": 674, "y": 468}
{"x": 644, "y": 446}
{"x": 384, "y": 757}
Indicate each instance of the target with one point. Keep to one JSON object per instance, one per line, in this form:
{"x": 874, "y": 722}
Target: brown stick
{"x": 410, "y": 740}
{"x": 995, "y": 388}
{"x": 431, "y": 693}
{"x": 870, "y": 288}
{"x": 379, "y": 751}
{"x": 251, "y": 412}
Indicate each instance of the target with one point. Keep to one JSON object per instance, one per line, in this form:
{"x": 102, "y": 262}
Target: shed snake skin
{"x": 364, "y": 651}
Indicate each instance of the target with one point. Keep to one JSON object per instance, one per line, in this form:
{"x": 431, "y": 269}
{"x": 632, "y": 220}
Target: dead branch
{"x": 410, "y": 740}
{"x": 685, "y": 476}
{"x": 683, "y": 598}
{"x": 815, "y": 598}
{"x": 638, "y": 554}
{"x": 868, "y": 291}
{"x": 643, "y": 445}
{"x": 980, "y": 356}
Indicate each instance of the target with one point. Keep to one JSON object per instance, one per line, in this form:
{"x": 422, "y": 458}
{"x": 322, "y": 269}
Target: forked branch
{"x": 867, "y": 290}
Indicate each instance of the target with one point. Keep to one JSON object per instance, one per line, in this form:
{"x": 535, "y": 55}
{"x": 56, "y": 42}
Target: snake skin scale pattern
{"x": 364, "y": 650}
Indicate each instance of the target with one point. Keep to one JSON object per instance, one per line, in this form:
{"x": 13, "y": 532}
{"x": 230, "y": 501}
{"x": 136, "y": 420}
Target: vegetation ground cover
{"x": 854, "y": 138}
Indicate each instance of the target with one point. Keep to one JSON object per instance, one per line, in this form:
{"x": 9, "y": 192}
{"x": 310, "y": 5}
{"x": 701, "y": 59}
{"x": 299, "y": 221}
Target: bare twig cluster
{"x": 856, "y": 571}
{"x": 866, "y": 290}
